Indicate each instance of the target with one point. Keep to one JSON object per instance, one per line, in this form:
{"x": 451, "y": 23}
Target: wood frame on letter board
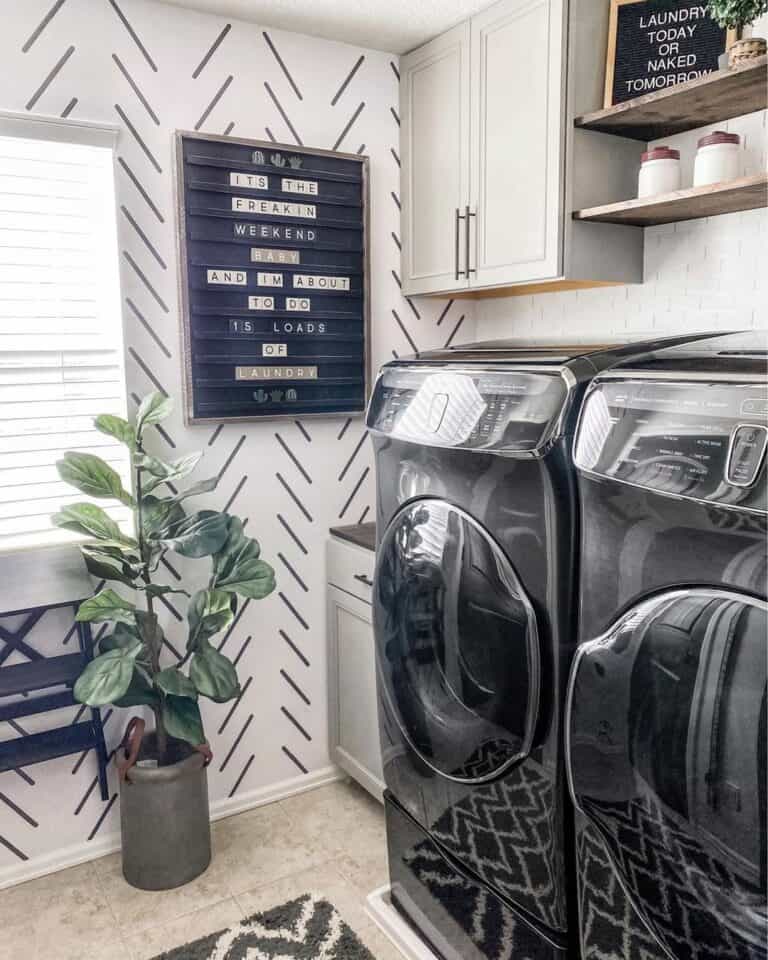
{"x": 183, "y": 267}
{"x": 610, "y": 56}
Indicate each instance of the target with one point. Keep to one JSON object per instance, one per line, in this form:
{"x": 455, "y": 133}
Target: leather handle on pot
{"x": 206, "y": 751}
{"x": 130, "y": 746}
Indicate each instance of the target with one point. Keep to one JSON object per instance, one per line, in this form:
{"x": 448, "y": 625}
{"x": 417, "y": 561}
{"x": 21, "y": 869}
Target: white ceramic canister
{"x": 717, "y": 158}
{"x": 659, "y": 172}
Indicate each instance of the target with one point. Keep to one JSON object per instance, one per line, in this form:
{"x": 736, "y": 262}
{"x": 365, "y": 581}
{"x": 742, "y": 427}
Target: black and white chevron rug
{"x": 308, "y": 928}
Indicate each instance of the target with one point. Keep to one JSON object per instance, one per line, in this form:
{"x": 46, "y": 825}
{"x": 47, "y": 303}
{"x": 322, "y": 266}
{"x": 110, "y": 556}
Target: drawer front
{"x": 350, "y": 568}
{"x": 459, "y": 916}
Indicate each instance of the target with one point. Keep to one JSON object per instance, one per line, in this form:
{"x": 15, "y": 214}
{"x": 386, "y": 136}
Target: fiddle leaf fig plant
{"x": 127, "y": 671}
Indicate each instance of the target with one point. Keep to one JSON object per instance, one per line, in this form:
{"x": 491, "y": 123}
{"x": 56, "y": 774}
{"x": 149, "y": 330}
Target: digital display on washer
{"x": 467, "y": 409}
{"x": 704, "y": 441}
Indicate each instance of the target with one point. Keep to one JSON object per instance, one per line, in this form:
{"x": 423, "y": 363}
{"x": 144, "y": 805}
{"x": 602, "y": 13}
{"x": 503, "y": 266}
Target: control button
{"x": 437, "y": 411}
{"x": 748, "y": 443}
{"x": 755, "y": 407}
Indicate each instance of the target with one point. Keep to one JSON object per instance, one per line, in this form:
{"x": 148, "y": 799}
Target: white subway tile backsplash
{"x": 709, "y": 274}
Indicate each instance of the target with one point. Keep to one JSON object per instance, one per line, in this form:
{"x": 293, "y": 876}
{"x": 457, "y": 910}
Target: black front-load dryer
{"x": 474, "y": 618}
{"x": 666, "y": 718}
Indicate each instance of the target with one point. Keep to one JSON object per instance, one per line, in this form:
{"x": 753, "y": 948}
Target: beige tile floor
{"x": 329, "y": 841}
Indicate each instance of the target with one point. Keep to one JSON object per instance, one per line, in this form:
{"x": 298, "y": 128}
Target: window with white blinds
{"x": 61, "y": 340}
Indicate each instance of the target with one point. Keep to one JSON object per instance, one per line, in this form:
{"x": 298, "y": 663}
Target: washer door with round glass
{"x": 457, "y": 648}
{"x": 666, "y": 753}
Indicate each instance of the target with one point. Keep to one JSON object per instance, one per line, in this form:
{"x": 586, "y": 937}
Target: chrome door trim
{"x": 670, "y": 597}
{"x": 534, "y": 701}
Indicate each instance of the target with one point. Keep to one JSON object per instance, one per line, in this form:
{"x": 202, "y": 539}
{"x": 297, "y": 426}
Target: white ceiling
{"x": 392, "y": 25}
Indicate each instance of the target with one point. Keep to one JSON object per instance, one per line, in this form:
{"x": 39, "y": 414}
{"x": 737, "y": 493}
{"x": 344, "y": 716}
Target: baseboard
{"x": 220, "y": 809}
{"x": 229, "y": 806}
{"x": 379, "y": 908}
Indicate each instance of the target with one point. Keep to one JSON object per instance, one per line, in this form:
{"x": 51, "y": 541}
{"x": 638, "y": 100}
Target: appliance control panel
{"x": 471, "y": 409}
{"x": 699, "y": 440}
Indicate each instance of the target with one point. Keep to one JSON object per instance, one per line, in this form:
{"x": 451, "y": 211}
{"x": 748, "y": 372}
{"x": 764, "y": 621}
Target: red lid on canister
{"x": 661, "y": 153}
{"x": 719, "y": 136}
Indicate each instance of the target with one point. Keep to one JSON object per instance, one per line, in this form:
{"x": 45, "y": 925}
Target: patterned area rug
{"x": 308, "y": 928}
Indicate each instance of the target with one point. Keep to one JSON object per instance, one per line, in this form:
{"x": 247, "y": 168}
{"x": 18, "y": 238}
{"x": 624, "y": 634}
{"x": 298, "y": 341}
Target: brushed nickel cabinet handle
{"x": 456, "y": 250}
{"x": 467, "y": 228}
{"x": 363, "y": 579}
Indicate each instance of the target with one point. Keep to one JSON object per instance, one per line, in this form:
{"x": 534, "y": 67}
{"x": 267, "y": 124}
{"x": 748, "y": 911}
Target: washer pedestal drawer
{"x": 458, "y": 917}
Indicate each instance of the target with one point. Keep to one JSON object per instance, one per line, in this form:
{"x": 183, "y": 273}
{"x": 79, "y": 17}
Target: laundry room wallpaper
{"x": 151, "y": 69}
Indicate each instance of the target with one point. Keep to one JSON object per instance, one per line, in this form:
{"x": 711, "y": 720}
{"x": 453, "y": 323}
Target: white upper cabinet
{"x": 492, "y": 165}
{"x": 434, "y": 115}
{"x": 517, "y": 141}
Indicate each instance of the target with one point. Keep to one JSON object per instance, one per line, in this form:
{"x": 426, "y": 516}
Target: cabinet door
{"x": 434, "y": 108}
{"x": 518, "y": 73}
{"x": 354, "y": 706}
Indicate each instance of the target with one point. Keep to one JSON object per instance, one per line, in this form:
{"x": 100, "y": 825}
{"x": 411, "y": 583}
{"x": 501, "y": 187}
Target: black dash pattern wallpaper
{"x": 151, "y": 69}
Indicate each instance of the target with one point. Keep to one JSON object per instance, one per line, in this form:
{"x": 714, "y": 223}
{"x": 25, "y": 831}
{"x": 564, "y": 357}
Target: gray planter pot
{"x": 165, "y": 820}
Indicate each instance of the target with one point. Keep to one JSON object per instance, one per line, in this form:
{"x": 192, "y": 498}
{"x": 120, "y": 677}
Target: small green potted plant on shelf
{"x": 737, "y": 15}
{"x": 164, "y": 812}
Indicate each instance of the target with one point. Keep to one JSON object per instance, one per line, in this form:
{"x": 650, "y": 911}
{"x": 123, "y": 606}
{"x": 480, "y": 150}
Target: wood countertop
{"x": 361, "y": 534}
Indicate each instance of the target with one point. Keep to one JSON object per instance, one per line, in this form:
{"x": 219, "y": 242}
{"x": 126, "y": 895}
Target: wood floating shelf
{"x": 696, "y": 103}
{"x": 746, "y": 193}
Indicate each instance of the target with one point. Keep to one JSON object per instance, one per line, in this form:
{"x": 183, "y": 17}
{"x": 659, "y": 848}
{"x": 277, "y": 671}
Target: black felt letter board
{"x": 274, "y": 279}
{"x": 660, "y": 43}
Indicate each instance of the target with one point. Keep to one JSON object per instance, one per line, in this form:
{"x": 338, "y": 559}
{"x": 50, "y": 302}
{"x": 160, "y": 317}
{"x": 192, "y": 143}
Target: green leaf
{"x": 154, "y": 408}
{"x": 250, "y": 578}
{"x": 116, "y": 427}
{"x": 90, "y": 520}
{"x": 203, "y": 486}
{"x": 163, "y": 469}
{"x": 173, "y": 681}
{"x": 107, "y": 677}
{"x": 182, "y": 719}
{"x": 160, "y": 516}
{"x": 109, "y": 563}
{"x": 160, "y": 590}
{"x": 198, "y": 535}
{"x": 106, "y": 605}
{"x": 235, "y": 540}
{"x": 92, "y": 476}
{"x": 209, "y": 612}
{"x": 139, "y": 693}
{"x": 121, "y": 637}
{"x": 238, "y": 567}
{"x": 162, "y": 472}
{"x": 213, "y": 674}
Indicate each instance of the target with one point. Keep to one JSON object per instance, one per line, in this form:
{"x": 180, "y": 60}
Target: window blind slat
{"x": 87, "y": 440}
{"x": 61, "y": 347}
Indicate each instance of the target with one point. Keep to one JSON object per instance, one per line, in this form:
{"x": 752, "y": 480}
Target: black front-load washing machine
{"x": 474, "y": 617}
{"x": 666, "y": 716}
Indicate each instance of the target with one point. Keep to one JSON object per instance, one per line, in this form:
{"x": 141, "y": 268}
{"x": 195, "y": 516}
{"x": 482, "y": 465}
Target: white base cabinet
{"x": 353, "y": 705}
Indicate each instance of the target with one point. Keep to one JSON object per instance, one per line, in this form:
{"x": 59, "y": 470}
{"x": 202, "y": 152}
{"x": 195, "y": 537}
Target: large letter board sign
{"x": 274, "y": 279}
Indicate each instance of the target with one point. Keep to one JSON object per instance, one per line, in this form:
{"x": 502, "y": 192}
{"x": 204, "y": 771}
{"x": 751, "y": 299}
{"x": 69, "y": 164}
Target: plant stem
{"x": 153, "y": 639}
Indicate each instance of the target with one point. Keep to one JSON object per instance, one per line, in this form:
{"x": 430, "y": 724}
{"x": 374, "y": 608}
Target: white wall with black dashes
{"x": 152, "y": 69}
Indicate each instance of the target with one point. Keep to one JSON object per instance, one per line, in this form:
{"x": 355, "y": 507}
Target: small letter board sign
{"x": 654, "y": 44}
{"x": 274, "y": 279}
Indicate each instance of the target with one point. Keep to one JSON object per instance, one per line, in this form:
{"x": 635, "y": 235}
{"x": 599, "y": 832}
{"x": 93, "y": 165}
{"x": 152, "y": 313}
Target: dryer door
{"x": 666, "y": 753}
{"x": 457, "y": 647}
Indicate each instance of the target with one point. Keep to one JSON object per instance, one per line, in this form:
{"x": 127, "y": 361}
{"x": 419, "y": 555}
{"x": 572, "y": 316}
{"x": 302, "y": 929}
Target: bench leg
{"x": 101, "y": 753}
